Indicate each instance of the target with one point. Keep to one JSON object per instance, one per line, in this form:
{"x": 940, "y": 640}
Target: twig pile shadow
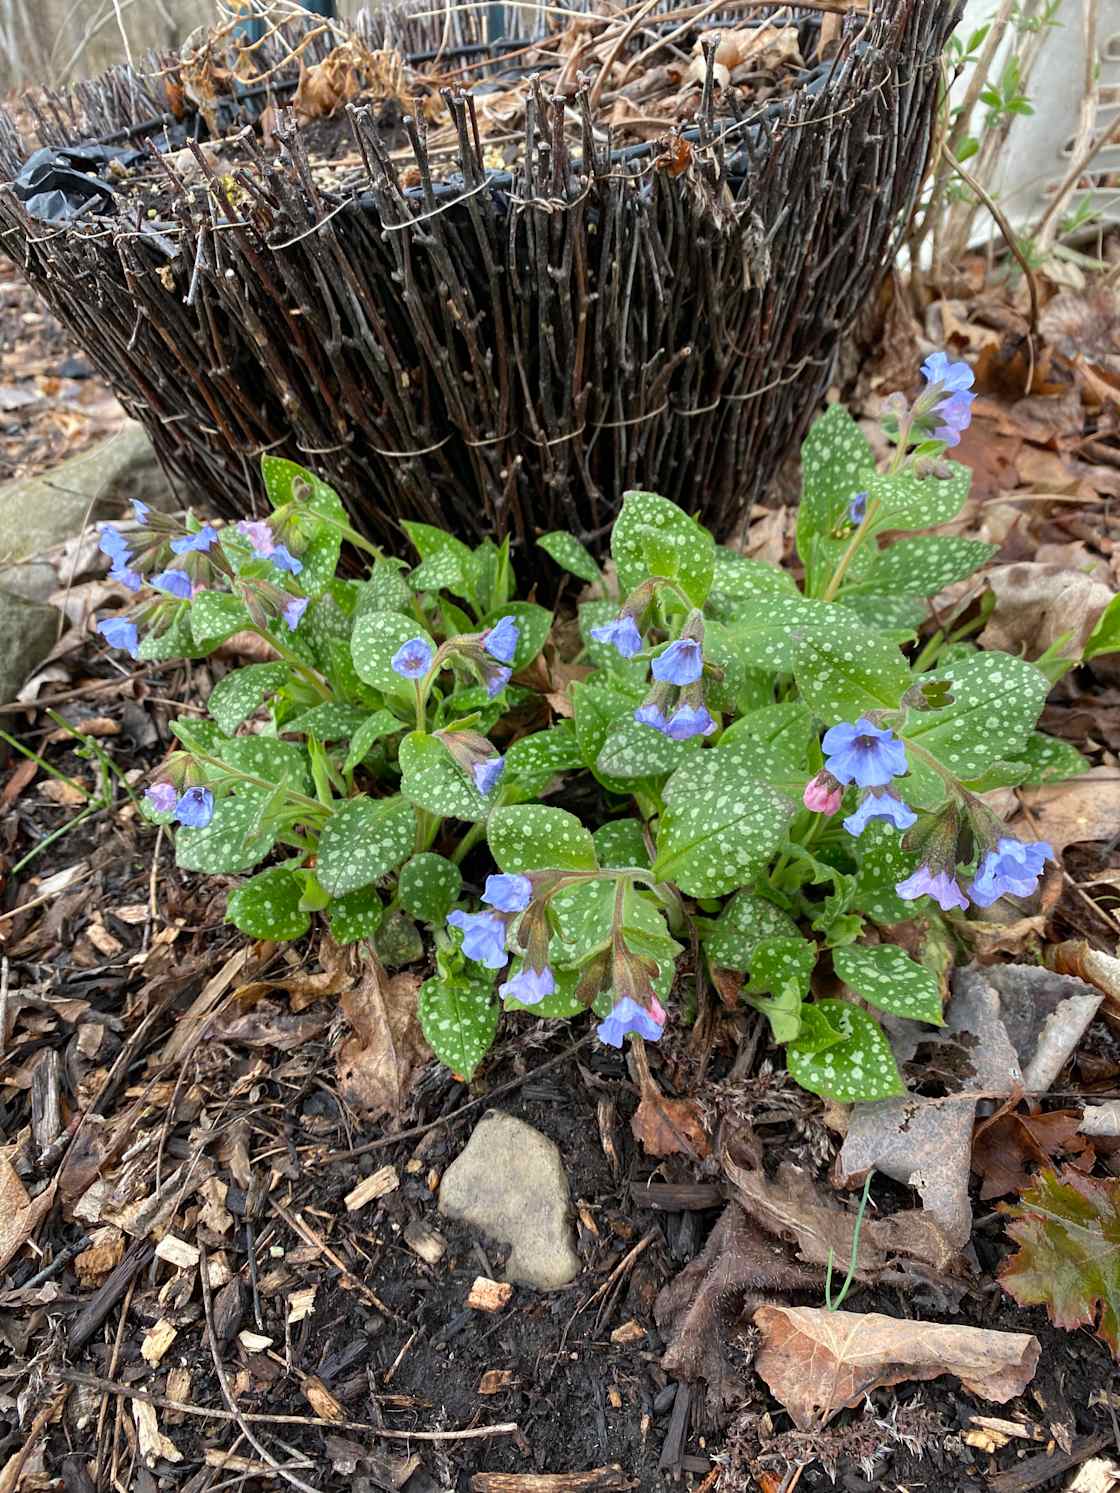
{"x": 498, "y": 351}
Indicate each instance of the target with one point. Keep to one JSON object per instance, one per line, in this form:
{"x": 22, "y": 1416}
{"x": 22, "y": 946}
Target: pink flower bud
{"x": 823, "y": 794}
{"x": 657, "y": 1011}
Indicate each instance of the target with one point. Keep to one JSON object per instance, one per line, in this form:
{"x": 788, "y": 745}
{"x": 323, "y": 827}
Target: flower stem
{"x": 314, "y": 679}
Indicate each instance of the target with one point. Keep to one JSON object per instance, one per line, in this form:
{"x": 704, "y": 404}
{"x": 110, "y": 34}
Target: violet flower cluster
{"x": 677, "y": 670}
{"x": 194, "y": 807}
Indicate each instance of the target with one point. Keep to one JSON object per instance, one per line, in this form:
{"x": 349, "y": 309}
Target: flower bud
{"x": 823, "y": 794}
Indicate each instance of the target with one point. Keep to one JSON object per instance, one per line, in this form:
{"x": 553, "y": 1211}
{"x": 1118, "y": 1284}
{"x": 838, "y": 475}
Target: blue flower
{"x": 488, "y": 774}
{"x": 954, "y": 407}
{"x": 622, "y": 634}
{"x": 652, "y": 715}
{"x": 857, "y": 508}
{"x": 529, "y": 985}
{"x": 689, "y": 721}
{"x": 131, "y": 579}
{"x": 886, "y": 806}
{"x": 283, "y": 559}
{"x": 162, "y": 797}
{"x": 484, "y": 937}
{"x": 199, "y": 543}
{"x": 1011, "y": 869}
{"x": 140, "y": 511}
{"x": 195, "y": 808}
{"x": 628, "y": 1016}
{"x": 681, "y": 663}
{"x": 119, "y": 632}
{"x": 940, "y": 885}
{"x": 174, "y": 582}
{"x": 413, "y": 659}
{"x": 111, "y": 542}
{"x": 865, "y": 754}
{"x": 294, "y": 611}
{"x": 500, "y": 641}
{"x": 496, "y": 677}
{"x": 508, "y": 892}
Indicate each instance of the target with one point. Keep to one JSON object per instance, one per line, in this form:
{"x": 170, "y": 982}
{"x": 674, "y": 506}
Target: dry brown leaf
{"x": 668, "y": 1127}
{"x": 376, "y": 1065}
{"x": 1007, "y": 1147}
{"x": 1038, "y": 604}
{"x": 267, "y": 1024}
{"x": 1081, "y": 808}
{"x": 20, "y": 1215}
{"x": 816, "y": 1362}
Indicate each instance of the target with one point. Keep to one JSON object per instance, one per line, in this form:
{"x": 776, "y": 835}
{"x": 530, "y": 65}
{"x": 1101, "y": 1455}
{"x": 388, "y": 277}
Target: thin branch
{"x": 1008, "y": 234}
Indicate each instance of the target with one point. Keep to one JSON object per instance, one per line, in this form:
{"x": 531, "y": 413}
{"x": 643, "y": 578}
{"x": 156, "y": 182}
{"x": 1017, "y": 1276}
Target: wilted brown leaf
{"x": 267, "y": 1024}
{"x": 816, "y": 1362}
{"x": 1038, "y": 604}
{"x": 668, "y": 1127}
{"x": 20, "y": 1215}
{"x": 1081, "y": 808}
{"x": 376, "y": 1065}
{"x": 1007, "y": 1148}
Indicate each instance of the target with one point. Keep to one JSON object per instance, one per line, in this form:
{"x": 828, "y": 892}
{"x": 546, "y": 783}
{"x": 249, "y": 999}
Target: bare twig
{"x": 1009, "y": 237}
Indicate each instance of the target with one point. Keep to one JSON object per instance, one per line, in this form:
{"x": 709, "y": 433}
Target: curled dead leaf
{"x": 377, "y": 1064}
{"x": 1038, "y": 604}
{"x": 668, "y": 1127}
{"x": 1067, "y": 813}
{"x": 816, "y": 1362}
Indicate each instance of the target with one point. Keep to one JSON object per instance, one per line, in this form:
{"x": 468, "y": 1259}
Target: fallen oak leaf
{"x": 817, "y": 1362}
{"x": 1067, "y": 1227}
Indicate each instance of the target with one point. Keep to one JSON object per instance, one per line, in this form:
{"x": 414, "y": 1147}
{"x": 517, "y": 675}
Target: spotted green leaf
{"x": 236, "y": 839}
{"x": 373, "y": 642}
{"x": 909, "y": 502}
{"x": 236, "y": 697}
{"x": 925, "y": 565}
{"x": 429, "y": 886}
{"x": 433, "y": 780}
{"x": 376, "y": 726}
{"x": 174, "y": 640}
{"x": 882, "y": 864}
{"x": 781, "y": 968}
{"x": 267, "y": 906}
{"x": 535, "y": 837}
{"x": 1050, "y": 760}
{"x": 364, "y": 840}
{"x": 621, "y": 842}
{"x": 780, "y": 736}
{"x": 720, "y": 825}
{"x": 891, "y": 614}
{"x": 632, "y": 750}
{"x": 276, "y": 763}
{"x": 738, "y": 578}
{"x": 533, "y": 623}
{"x": 355, "y": 916}
{"x": 888, "y": 978}
{"x": 996, "y": 701}
{"x": 836, "y": 462}
{"x": 316, "y": 519}
{"x": 858, "y": 1066}
{"x": 386, "y": 590}
{"x": 459, "y": 1017}
{"x": 731, "y": 940}
{"x": 845, "y": 674}
{"x": 215, "y": 616}
{"x": 568, "y": 553}
{"x": 765, "y": 632}
{"x": 328, "y": 722}
{"x": 652, "y": 536}
{"x": 535, "y": 760}
{"x": 446, "y": 563}
{"x": 398, "y": 940}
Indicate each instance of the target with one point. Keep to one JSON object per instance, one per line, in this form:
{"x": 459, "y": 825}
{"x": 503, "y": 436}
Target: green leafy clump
{"x": 1067, "y": 1227}
{"x": 766, "y": 773}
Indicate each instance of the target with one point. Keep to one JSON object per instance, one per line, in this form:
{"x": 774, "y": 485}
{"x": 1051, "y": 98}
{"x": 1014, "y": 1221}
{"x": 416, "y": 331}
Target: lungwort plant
{"x": 706, "y": 763}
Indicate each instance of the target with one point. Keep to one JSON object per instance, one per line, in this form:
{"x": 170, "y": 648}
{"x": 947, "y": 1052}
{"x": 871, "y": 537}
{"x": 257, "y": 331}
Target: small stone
{"x": 489, "y": 1295}
{"x": 509, "y": 1182}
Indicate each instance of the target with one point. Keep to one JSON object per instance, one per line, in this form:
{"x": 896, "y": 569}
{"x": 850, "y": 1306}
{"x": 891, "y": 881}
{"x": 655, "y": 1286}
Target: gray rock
{"x": 510, "y": 1183}
{"x": 27, "y": 634}
{"x": 37, "y": 513}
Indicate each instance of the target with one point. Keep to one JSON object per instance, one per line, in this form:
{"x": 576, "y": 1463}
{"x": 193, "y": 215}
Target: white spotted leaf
{"x": 329, "y": 721}
{"x": 886, "y": 977}
{"x": 632, "y": 750}
{"x": 242, "y": 692}
{"x": 434, "y": 781}
{"x": 848, "y": 672}
{"x": 720, "y": 826}
{"x": 279, "y": 764}
{"x": 731, "y": 940}
{"x": 236, "y": 839}
{"x": 859, "y": 1066}
{"x": 376, "y": 726}
{"x": 620, "y": 843}
{"x": 925, "y": 565}
{"x": 215, "y": 616}
{"x": 315, "y": 520}
{"x": 375, "y": 639}
{"x": 781, "y": 969}
{"x": 1050, "y": 760}
{"x": 535, "y": 760}
{"x": 652, "y": 536}
{"x": 363, "y": 840}
{"x": 909, "y": 502}
{"x": 355, "y": 915}
{"x": 429, "y": 886}
{"x": 570, "y": 554}
{"x": 459, "y": 1017}
{"x": 882, "y": 864}
{"x": 535, "y": 837}
{"x": 267, "y": 906}
{"x": 446, "y": 563}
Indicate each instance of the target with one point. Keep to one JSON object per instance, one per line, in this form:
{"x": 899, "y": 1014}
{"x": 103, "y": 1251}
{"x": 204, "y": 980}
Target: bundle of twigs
{"x": 488, "y": 350}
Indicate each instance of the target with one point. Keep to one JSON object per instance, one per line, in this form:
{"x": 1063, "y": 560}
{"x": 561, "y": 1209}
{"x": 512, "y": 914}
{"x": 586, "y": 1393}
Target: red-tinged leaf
{"x": 1068, "y": 1230}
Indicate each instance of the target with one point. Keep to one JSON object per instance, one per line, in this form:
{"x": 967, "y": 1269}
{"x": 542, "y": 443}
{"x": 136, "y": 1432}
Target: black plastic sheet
{"x": 64, "y": 183}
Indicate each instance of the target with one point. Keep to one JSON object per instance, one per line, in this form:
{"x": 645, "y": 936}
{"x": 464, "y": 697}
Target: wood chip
{"x": 104, "y": 1254}
{"x": 301, "y": 1304}
{"x": 629, "y": 1332}
{"x": 102, "y": 940}
{"x": 425, "y": 1241}
{"x": 489, "y": 1295}
{"x": 132, "y": 913}
{"x": 253, "y": 1342}
{"x": 178, "y": 1388}
{"x": 495, "y": 1380}
{"x": 319, "y": 1397}
{"x": 596, "y": 1480}
{"x": 154, "y": 1445}
{"x": 157, "y": 1341}
{"x": 374, "y": 1186}
{"x": 177, "y": 1252}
